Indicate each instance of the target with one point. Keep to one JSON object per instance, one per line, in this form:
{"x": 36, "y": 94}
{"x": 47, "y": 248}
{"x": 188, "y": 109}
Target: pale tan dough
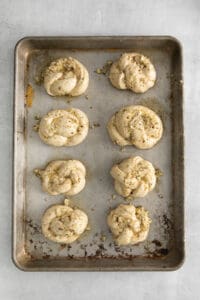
{"x": 63, "y": 223}
{"x": 135, "y": 125}
{"x": 66, "y": 76}
{"x": 129, "y": 224}
{"x": 61, "y": 127}
{"x": 134, "y": 177}
{"x": 63, "y": 177}
{"x": 133, "y": 71}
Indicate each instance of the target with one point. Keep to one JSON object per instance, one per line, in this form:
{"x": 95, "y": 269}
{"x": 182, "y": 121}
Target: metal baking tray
{"x": 164, "y": 247}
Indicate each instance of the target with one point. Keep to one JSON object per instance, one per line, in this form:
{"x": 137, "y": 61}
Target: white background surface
{"x": 101, "y": 17}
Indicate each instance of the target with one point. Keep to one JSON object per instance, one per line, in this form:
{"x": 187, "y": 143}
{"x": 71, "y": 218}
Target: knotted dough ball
{"x": 64, "y": 127}
{"x": 66, "y": 76}
{"x": 63, "y": 223}
{"x": 135, "y": 125}
{"x": 134, "y": 177}
{"x": 63, "y": 177}
{"x": 133, "y": 71}
{"x": 129, "y": 224}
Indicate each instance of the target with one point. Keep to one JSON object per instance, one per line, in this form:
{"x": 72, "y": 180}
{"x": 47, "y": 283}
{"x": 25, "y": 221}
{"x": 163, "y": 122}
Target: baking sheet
{"x": 164, "y": 247}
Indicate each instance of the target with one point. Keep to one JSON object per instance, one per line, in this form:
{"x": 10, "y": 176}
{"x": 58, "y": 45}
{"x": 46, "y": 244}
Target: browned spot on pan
{"x": 29, "y": 95}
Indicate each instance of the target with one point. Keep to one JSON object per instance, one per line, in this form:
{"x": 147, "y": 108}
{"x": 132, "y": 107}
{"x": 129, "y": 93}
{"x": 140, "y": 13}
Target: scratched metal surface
{"x": 98, "y": 154}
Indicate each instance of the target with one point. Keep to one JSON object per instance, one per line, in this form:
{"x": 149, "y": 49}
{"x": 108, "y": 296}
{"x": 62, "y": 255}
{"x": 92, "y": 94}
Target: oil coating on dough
{"x": 134, "y": 177}
{"x": 63, "y": 177}
{"x": 64, "y": 127}
{"x": 135, "y": 125}
{"x": 66, "y": 76}
{"x": 133, "y": 71}
{"x": 63, "y": 223}
{"x": 129, "y": 224}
